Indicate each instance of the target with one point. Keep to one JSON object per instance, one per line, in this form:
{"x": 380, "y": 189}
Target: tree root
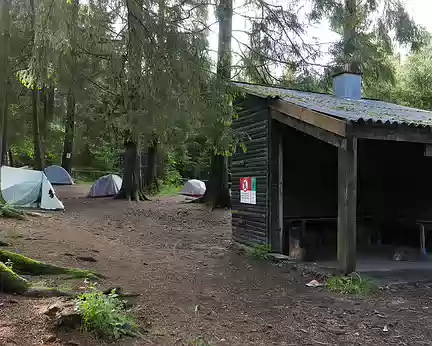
{"x": 26, "y": 265}
{"x": 140, "y": 196}
{"x": 143, "y": 197}
{"x": 6, "y": 211}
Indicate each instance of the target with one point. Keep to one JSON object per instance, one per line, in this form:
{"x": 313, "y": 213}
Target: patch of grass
{"x": 169, "y": 190}
{"x": 105, "y": 315}
{"x": 200, "y": 342}
{"x": 84, "y": 181}
{"x": 260, "y": 252}
{"x": 351, "y": 284}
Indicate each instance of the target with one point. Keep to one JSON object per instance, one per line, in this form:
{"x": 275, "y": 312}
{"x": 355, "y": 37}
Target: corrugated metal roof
{"x": 351, "y": 110}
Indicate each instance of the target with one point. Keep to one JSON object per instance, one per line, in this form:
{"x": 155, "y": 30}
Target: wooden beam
{"x": 311, "y": 117}
{"x": 280, "y": 193}
{"x": 347, "y": 206}
{"x": 398, "y": 133}
{"x": 311, "y": 130}
{"x": 422, "y": 240}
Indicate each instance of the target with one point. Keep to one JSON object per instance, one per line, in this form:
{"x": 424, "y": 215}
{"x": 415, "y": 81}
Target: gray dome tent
{"x": 108, "y": 185}
{"x": 58, "y": 175}
{"x": 26, "y": 188}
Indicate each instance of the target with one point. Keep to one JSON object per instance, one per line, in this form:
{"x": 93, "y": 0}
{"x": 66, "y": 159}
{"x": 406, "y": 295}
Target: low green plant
{"x": 260, "y": 252}
{"x": 200, "y": 342}
{"x": 351, "y": 284}
{"x": 105, "y": 315}
{"x": 169, "y": 190}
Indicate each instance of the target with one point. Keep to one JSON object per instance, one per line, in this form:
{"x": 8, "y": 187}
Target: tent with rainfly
{"x": 57, "y": 175}
{"x": 106, "y": 186}
{"x": 27, "y": 188}
{"x": 193, "y": 188}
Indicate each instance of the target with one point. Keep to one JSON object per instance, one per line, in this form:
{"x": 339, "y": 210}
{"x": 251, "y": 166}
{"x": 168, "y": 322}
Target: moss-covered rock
{"x": 11, "y": 282}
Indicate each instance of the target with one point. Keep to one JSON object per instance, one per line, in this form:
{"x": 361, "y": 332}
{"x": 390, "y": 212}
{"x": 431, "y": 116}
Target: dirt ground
{"x": 194, "y": 283}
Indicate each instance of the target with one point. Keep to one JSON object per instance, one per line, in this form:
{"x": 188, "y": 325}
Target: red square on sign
{"x": 245, "y": 184}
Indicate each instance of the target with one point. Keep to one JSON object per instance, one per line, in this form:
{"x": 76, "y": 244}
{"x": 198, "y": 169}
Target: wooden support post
{"x": 422, "y": 240}
{"x": 347, "y": 206}
{"x": 280, "y": 194}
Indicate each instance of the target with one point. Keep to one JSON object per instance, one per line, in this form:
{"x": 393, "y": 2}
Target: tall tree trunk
{"x": 70, "y": 133}
{"x": 11, "y": 158}
{"x": 38, "y": 160}
{"x": 48, "y": 101}
{"x": 150, "y": 181}
{"x": 217, "y": 190}
{"x": 4, "y": 146}
{"x": 150, "y": 176}
{"x": 71, "y": 101}
{"x": 4, "y": 67}
{"x": 132, "y": 186}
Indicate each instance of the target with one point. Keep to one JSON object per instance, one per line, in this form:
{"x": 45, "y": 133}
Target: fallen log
{"x": 11, "y": 282}
{"x": 26, "y": 265}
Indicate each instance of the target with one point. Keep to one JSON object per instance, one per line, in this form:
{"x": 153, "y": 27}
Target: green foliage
{"x": 260, "y": 252}
{"x": 414, "y": 80}
{"x": 200, "y": 342}
{"x": 169, "y": 190}
{"x": 370, "y": 31}
{"x": 352, "y": 284}
{"x": 172, "y": 175}
{"x": 105, "y": 315}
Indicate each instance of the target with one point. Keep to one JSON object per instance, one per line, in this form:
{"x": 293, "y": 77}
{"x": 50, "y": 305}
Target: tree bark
{"x": 4, "y": 146}
{"x": 71, "y": 101}
{"x": 217, "y": 190}
{"x": 132, "y": 187}
{"x": 39, "y": 163}
{"x": 150, "y": 177}
{"x": 48, "y": 101}
{"x": 4, "y": 67}
{"x": 11, "y": 158}
{"x": 38, "y": 160}
{"x": 70, "y": 133}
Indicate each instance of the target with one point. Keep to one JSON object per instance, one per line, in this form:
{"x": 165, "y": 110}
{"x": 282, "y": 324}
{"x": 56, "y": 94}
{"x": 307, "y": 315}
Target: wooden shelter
{"x": 317, "y": 161}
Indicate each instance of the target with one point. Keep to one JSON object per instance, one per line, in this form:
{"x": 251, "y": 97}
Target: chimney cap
{"x": 348, "y": 85}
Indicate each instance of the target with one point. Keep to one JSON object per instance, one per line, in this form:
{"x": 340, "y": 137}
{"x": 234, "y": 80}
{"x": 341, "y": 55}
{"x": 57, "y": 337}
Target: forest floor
{"x": 194, "y": 283}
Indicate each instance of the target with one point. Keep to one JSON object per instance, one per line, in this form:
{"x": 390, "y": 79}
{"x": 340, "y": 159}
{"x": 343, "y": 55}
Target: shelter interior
{"x": 394, "y": 196}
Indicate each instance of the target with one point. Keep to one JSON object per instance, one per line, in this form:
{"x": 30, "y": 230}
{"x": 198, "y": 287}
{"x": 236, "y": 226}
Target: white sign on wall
{"x": 248, "y": 190}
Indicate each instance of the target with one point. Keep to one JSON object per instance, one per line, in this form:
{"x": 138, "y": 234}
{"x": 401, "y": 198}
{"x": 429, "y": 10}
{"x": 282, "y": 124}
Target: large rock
{"x": 63, "y": 314}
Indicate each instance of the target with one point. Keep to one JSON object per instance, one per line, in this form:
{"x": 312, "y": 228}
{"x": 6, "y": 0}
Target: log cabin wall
{"x": 250, "y": 222}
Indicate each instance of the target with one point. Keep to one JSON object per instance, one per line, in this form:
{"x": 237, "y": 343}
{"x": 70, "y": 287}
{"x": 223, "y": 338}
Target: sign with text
{"x": 248, "y": 190}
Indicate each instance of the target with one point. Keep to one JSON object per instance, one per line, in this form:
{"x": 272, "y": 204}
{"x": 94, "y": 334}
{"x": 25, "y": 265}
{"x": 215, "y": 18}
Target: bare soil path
{"x": 193, "y": 283}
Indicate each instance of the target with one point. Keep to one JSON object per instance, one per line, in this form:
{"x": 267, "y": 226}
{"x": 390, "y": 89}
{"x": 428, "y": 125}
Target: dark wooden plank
{"x": 422, "y": 240}
{"x": 311, "y": 130}
{"x": 280, "y": 193}
{"x": 323, "y": 121}
{"x": 388, "y": 132}
{"x": 347, "y": 206}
